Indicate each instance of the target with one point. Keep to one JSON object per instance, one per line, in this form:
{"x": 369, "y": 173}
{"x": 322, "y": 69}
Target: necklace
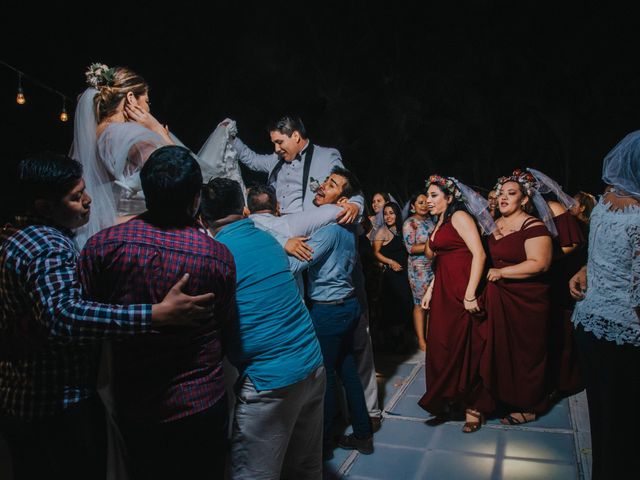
{"x": 507, "y": 228}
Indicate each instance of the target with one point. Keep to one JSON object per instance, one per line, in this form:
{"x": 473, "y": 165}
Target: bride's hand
{"x": 135, "y": 113}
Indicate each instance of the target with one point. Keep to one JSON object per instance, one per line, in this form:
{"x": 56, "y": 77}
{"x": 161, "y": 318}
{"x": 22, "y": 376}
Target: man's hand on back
{"x": 297, "y": 247}
{"x": 349, "y": 214}
{"x": 179, "y": 309}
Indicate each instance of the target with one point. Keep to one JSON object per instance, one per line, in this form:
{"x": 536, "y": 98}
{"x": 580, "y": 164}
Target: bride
{"x": 114, "y": 134}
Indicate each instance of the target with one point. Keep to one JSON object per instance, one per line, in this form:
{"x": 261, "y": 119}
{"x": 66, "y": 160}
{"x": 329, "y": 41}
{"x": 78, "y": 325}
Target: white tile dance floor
{"x": 555, "y": 446}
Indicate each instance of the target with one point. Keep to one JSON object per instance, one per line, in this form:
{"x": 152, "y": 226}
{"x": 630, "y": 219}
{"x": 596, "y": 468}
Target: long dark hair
{"x": 396, "y": 209}
{"x": 453, "y": 207}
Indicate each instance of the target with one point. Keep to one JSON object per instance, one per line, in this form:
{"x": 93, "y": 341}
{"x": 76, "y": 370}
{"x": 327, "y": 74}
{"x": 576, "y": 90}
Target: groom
{"x": 297, "y": 167}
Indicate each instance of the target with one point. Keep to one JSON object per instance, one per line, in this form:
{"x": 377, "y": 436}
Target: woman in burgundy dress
{"x": 516, "y": 300}
{"x": 453, "y": 354}
{"x": 563, "y": 372}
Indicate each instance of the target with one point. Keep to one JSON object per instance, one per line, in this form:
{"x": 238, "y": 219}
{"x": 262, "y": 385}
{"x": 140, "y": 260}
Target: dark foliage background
{"x": 470, "y": 89}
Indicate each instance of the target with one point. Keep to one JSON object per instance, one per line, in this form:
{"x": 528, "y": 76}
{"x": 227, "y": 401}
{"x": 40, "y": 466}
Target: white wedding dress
{"x": 112, "y": 163}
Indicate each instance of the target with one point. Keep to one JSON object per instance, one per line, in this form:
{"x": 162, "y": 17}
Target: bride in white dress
{"x": 114, "y": 134}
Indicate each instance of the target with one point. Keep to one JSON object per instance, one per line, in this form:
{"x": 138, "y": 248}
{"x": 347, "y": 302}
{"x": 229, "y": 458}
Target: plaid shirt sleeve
{"x": 54, "y": 288}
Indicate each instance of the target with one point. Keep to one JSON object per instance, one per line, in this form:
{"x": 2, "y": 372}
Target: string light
{"x": 63, "y": 114}
{"x": 20, "y": 100}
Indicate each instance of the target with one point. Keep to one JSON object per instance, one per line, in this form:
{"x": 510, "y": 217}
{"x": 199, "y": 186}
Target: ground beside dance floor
{"x": 555, "y": 446}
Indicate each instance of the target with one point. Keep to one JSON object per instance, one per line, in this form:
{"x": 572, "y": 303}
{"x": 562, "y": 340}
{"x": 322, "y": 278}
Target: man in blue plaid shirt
{"x": 50, "y": 415}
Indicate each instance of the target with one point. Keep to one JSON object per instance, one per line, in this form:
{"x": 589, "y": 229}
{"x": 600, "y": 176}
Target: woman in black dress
{"x": 390, "y": 251}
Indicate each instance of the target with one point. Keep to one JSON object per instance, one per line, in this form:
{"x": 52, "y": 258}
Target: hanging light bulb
{"x": 63, "y": 114}
{"x": 20, "y": 100}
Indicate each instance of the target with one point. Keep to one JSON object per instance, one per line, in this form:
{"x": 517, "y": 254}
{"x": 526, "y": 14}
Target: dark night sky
{"x": 471, "y": 89}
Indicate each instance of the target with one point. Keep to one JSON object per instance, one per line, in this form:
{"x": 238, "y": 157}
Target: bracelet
{"x": 472, "y": 300}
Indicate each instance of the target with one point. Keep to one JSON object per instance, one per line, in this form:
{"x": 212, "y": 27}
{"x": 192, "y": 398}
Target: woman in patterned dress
{"x": 416, "y": 230}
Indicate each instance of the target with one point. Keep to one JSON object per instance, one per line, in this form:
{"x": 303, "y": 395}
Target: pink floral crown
{"x": 525, "y": 179}
{"x": 447, "y": 183}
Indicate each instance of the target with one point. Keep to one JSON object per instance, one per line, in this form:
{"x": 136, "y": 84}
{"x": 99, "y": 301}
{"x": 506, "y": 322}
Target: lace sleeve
{"x": 634, "y": 287}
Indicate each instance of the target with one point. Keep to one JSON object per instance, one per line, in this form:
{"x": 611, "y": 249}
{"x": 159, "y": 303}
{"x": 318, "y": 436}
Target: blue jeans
{"x": 335, "y": 325}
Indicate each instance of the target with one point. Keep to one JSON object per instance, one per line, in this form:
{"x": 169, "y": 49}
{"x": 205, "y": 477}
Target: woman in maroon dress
{"x": 563, "y": 370}
{"x": 516, "y": 300}
{"x": 453, "y": 355}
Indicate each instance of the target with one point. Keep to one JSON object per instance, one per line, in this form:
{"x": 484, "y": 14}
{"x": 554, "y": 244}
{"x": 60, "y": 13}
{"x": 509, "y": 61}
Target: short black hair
{"x": 261, "y": 197}
{"x": 220, "y": 198}
{"x": 288, "y": 124}
{"x": 171, "y": 178}
{"x": 46, "y": 175}
{"x": 414, "y": 196}
{"x": 352, "y": 186}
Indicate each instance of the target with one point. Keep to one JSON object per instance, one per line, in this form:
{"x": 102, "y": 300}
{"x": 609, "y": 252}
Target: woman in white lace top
{"x": 607, "y": 314}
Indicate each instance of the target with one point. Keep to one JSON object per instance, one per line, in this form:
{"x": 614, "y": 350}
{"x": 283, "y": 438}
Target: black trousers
{"x": 194, "y": 447}
{"x": 70, "y": 445}
{"x": 611, "y": 374}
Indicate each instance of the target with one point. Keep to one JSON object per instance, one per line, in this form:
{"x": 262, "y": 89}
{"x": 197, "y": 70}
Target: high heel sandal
{"x": 470, "y": 427}
{"x": 438, "y": 420}
{"x": 511, "y": 420}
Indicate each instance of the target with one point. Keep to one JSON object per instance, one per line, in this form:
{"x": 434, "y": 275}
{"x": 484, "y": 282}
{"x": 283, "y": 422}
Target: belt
{"x": 335, "y": 302}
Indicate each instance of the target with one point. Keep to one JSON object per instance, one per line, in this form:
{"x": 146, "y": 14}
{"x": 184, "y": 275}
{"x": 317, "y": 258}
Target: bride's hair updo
{"x": 113, "y": 84}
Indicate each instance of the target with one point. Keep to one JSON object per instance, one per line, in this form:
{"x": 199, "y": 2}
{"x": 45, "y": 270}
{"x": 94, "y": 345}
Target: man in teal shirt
{"x": 278, "y": 417}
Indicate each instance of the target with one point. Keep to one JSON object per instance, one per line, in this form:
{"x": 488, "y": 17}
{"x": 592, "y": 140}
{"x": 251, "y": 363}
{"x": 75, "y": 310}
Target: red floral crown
{"x": 447, "y": 183}
{"x": 525, "y": 179}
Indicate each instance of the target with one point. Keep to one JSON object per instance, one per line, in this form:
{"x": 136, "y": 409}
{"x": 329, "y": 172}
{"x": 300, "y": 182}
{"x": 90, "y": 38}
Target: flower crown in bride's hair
{"x": 99, "y": 75}
{"x": 525, "y": 179}
{"x": 447, "y": 183}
